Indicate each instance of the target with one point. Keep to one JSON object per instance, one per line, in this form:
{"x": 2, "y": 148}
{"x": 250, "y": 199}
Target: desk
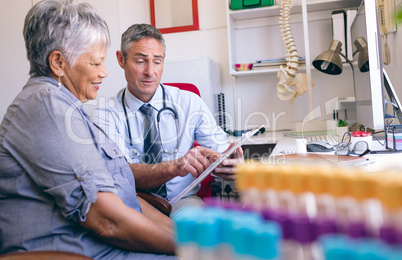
{"x": 261, "y": 146}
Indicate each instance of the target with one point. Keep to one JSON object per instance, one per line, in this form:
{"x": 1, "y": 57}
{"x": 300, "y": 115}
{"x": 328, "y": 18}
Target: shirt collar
{"x": 134, "y": 104}
{"x": 78, "y": 103}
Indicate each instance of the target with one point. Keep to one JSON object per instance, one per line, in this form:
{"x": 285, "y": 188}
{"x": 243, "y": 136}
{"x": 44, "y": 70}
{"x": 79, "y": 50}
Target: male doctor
{"x": 155, "y": 125}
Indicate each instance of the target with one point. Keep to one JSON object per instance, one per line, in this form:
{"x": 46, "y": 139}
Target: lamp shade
{"x": 363, "y": 62}
{"x": 330, "y": 61}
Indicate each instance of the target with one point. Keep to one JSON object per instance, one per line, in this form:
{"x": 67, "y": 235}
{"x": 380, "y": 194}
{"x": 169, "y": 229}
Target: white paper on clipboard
{"x": 212, "y": 167}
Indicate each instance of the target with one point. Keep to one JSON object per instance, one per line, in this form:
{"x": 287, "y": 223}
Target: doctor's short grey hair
{"x": 137, "y": 32}
{"x": 69, "y": 26}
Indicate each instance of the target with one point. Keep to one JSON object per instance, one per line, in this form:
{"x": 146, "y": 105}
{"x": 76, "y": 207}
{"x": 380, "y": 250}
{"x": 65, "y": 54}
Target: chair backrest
{"x": 205, "y": 190}
{"x": 185, "y": 86}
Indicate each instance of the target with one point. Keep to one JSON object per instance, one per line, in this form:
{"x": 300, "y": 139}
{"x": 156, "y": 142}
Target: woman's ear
{"x": 57, "y": 63}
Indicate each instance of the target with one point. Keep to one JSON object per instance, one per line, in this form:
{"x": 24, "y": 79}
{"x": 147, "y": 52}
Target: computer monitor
{"x": 369, "y": 91}
{"x": 393, "y": 99}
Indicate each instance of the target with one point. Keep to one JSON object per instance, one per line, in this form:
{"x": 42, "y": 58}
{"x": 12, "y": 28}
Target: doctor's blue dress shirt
{"x": 195, "y": 122}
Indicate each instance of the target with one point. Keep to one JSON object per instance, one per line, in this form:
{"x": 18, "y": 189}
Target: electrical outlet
{"x": 229, "y": 190}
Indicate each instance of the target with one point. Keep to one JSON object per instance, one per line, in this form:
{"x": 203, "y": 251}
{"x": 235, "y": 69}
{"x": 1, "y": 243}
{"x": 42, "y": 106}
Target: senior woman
{"x": 63, "y": 184}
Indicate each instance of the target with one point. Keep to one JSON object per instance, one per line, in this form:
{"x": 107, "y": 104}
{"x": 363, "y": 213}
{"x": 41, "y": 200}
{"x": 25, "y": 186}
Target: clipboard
{"x": 212, "y": 167}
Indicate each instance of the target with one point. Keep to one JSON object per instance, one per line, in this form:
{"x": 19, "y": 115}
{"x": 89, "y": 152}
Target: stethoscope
{"x": 133, "y": 152}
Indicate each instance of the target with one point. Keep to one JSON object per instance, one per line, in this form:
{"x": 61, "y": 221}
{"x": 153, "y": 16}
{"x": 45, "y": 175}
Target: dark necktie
{"x": 152, "y": 145}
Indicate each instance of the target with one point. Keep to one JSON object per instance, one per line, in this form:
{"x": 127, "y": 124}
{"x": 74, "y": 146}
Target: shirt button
{"x": 115, "y": 152}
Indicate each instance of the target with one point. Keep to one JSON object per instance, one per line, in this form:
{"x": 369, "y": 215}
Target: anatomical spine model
{"x": 291, "y": 84}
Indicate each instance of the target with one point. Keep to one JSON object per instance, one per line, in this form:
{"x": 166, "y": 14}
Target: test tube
{"x": 389, "y": 190}
{"x": 318, "y": 184}
{"x": 185, "y": 228}
{"x": 339, "y": 186}
{"x": 266, "y": 185}
{"x": 368, "y": 207}
{"x": 245, "y": 183}
{"x": 298, "y": 183}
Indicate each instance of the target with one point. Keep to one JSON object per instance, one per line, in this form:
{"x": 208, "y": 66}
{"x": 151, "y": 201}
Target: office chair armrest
{"x": 157, "y": 201}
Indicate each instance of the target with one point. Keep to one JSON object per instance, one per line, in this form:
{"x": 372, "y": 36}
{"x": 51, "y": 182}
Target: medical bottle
{"x": 298, "y": 183}
{"x": 337, "y": 247}
{"x": 368, "y": 207}
{"x": 245, "y": 183}
{"x": 240, "y": 234}
{"x": 304, "y": 211}
{"x": 268, "y": 196}
{"x": 279, "y": 176}
{"x": 390, "y": 194}
{"x": 208, "y": 233}
{"x": 185, "y": 229}
{"x": 267, "y": 241}
{"x": 339, "y": 187}
{"x": 318, "y": 184}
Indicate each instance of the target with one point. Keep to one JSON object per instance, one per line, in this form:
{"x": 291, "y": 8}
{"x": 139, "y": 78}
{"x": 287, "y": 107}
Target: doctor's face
{"x": 143, "y": 67}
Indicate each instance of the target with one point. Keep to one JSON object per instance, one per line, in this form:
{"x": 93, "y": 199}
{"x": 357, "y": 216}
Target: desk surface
{"x": 380, "y": 160}
{"x": 264, "y": 138}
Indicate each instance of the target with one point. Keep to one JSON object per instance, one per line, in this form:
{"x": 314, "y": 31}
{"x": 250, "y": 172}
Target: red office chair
{"x": 205, "y": 190}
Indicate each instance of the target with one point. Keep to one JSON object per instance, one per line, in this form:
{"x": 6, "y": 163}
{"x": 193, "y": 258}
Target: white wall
{"x": 254, "y": 97}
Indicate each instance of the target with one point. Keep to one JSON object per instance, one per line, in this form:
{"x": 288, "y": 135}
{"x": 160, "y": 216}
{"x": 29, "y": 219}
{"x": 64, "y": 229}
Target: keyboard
{"x": 285, "y": 145}
{"x": 330, "y": 139}
{"x": 329, "y": 136}
{"x": 288, "y": 143}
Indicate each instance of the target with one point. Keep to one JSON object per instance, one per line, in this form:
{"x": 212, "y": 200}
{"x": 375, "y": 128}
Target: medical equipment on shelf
{"x": 291, "y": 84}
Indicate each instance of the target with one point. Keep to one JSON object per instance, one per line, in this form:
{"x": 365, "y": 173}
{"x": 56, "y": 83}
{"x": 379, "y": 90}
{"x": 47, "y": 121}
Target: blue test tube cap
{"x": 371, "y": 249}
{"x": 241, "y": 237}
{"x": 267, "y": 242}
{"x": 394, "y": 252}
{"x": 337, "y": 246}
{"x": 209, "y": 228}
{"x": 185, "y": 224}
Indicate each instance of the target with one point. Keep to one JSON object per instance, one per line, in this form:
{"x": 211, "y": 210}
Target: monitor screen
{"x": 369, "y": 91}
{"x": 393, "y": 99}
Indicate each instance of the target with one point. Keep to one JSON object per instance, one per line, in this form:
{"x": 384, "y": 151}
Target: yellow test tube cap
{"x": 318, "y": 181}
{"x": 363, "y": 185}
{"x": 245, "y": 175}
{"x": 297, "y": 178}
{"x": 277, "y": 177}
{"x": 389, "y": 191}
{"x": 339, "y": 182}
{"x": 262, "y": 177}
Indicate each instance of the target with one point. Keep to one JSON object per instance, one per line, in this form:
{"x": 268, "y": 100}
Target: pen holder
{"x": 394, "y": 137}
{"x": 360, "y": 147}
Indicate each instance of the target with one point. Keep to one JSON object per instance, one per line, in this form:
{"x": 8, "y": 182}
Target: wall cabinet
{"x": 251, "y": 34}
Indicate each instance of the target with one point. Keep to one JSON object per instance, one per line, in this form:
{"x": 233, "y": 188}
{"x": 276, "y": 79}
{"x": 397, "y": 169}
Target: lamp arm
{"x": 350, "y": 63}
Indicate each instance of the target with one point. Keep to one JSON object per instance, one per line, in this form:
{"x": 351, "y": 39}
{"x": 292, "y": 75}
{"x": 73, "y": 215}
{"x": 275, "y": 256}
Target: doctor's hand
{"x": 196, "y": 161}
{"x": 226, "y": 169}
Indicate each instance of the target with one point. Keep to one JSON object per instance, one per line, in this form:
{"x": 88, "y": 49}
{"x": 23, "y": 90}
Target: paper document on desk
{"x": 212, "y": 167}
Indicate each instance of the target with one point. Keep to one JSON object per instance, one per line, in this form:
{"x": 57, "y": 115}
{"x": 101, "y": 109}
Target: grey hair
{"x": 136, "y": 32}
{"x": 68, "y": 26}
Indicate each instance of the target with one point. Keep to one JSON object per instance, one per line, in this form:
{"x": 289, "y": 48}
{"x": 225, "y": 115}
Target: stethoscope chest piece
{"x": 133, "y": 153}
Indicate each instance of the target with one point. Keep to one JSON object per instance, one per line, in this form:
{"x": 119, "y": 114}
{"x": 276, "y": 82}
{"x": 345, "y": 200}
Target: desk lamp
{"x": 330, "y": 61}
{"x": 363, "y": 61}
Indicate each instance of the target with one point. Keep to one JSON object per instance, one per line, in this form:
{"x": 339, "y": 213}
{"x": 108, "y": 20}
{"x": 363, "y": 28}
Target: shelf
{"x": 270, "y": 71}
{"x": 312, "y": 6}
{"x": 259, "y": 72}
